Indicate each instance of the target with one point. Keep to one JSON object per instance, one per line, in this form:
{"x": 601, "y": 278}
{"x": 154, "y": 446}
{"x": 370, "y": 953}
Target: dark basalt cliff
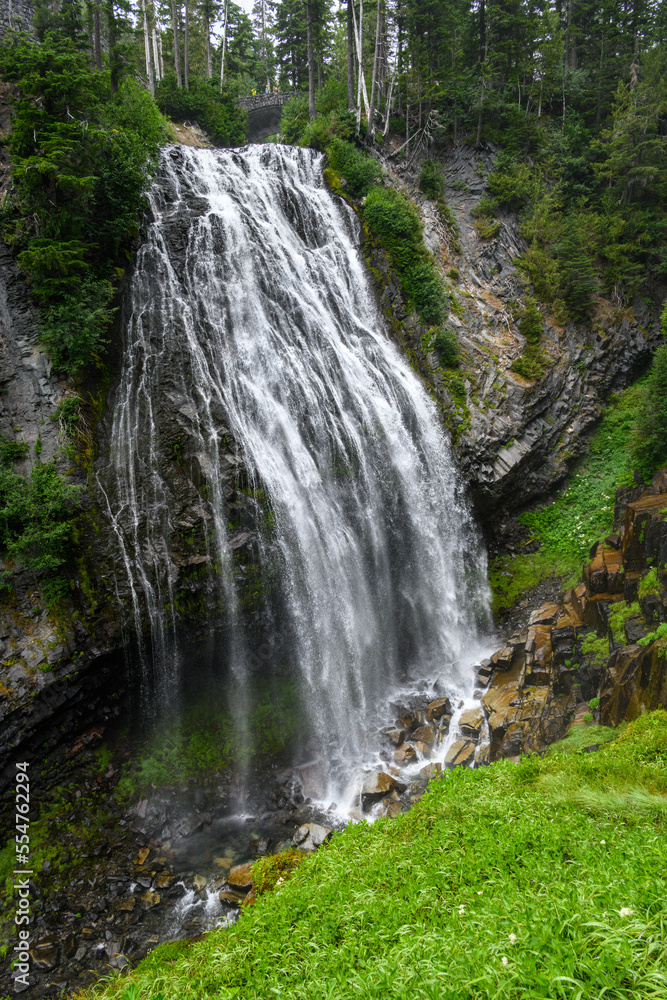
{"x": 514, "y": 441}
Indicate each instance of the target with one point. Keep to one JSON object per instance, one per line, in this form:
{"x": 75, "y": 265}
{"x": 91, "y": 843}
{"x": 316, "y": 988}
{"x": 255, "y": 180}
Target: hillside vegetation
{"x": 538, "y": 879}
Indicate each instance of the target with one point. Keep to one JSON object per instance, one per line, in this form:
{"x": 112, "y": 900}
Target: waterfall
{"x": 251, "y": 318}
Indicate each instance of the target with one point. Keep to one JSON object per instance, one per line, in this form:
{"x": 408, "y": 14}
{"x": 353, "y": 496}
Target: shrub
{"x": 358, "y": 170}
{"x": 73, "y": 328}
{"x": 447, "y": 346}
{"x": 36, "y": 516}
{"x": 294, "y": 119}
{"x": 529, "y": 320}
{"x": 11, "y": 451}
{"x": 423, "y": 284}
{"x": 394, "y": 220}
{"x": 531, "y": 364}
{"x": 218, "y": 114}
{"x": 649, "y": 440}
{"x": 431, "y": 181}
{"x": 319, "y": 133}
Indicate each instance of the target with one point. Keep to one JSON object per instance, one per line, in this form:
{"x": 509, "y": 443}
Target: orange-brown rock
{"x": 436, "y": 709}
{"x": 460, "y": 754}
{"x": 424, "y": 734}
{"x": 470, "y": 722}
{"x": 240, "y": 876}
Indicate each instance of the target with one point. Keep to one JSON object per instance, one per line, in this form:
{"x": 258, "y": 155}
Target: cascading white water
{"x": 265, "y": 315}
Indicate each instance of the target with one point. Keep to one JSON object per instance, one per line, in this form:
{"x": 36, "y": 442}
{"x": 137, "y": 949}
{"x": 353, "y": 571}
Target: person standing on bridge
{"x": 253, "y": 92}
{"x": 267, "y": 89}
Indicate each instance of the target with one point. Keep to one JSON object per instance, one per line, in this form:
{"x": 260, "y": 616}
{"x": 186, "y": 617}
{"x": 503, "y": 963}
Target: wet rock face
{"x": 571, "y": 652}
{"x": 514, "y": 439}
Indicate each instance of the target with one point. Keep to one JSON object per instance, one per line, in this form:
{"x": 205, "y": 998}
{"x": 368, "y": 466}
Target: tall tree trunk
{"x": 311, "y": 61}
{"x": 360, "y": 56}
{"x": 177, "y": 50}
{"x": 98, "y": 37}
{"x": 350, "y": 58}
{"x": 186, "y": 45}
{"x": 91, "y": 39}
{"x": 224, "y": 46}
{"x": 159, "y": 48}
{"x": 370, "y": 131}
{"x": 147, "y": 48}
{"x": 207, "y": 38}
{"x": 156, "y": 55}
{"x": 113, "y": 55}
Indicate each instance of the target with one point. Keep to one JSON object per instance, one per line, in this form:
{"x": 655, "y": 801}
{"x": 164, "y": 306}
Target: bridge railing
{"x": 256, "y": 101}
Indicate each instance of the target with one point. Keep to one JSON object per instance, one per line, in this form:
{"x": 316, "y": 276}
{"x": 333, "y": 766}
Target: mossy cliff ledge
{"x": 515, "y": 438}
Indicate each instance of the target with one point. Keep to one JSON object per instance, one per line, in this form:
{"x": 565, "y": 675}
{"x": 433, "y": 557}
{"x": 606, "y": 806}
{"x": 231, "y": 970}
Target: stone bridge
{"x": 264, "y": 111}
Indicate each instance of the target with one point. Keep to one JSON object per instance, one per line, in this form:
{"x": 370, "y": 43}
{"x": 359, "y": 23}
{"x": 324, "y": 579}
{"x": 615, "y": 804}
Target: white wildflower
{"x": 625, "y": 911}
{"x": 603, "y": 841}
{"x": 462, "y": 909}
{"x": 512, "y": 938}
{"x": 480, "y": 892}
{"x": 505, "y": 960}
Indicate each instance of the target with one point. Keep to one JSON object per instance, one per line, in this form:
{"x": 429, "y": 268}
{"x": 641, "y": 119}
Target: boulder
{"x": 460, "y": 754}
{"x": 397, "y": 736}
{"x": 437, "y": 708}
{"x": 431, "y": 770}
{"x": 231, "y": 898}
{"x": 240, "y": 877}
{"x": 424, "y": 748}
{"x": 405, "y": 753}
{"x": 502, "y": 660}
{"x": 424, "y": 734}
{"x": 223, "y": 863}
{"x": 470, "y": 723}
{"x": 312, "y": 778}
{"x": 310, "y": 836}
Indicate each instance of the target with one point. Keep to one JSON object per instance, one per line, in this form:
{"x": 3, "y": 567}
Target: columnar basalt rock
{"x": 547, "y": 674}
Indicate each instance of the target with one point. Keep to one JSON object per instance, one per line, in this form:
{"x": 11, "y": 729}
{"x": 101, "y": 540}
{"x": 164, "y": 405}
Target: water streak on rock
{"x": 252, "y": 309}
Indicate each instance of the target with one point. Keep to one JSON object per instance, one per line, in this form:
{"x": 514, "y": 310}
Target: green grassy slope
{"x": 538, "y": 879}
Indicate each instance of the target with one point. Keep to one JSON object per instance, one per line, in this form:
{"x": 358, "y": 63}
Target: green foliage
{"x": 294, "y": 119}
{"x": 68, "y": 413}
{"x": 274, "y": 869}
{"x": 649, "y": 584}
{"x": 210, "y": 738}
{"x": 218, "y": 114}
{"x": 618, "y": 615}
{"x": 659, "y": 637}
{"x": 529, "y": 320}
{"x": 587, "y": 718}
{"x": 597, "y": 647}
{"x": 649, "y": 443}
{"x": 319, "y": 133}
{"x": 431, "y": 181}
{"x": 445, "y": 343}
{"x": 594, "y": 703}
{"x": 512, "y": 183}
{"x": 404, "y": 908}
{"x": 73, "y": 327}
{"x": 82, "y": 155}
{"x": 579, "y": 738}
{"x": 36, "y": 517}
{"x": 531, "y": 363}
{"x": 11, "y": 451}
{"x": 358, "y": 170}
{"x": 395, "y": 223}
{"x": 566, "y": 528}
